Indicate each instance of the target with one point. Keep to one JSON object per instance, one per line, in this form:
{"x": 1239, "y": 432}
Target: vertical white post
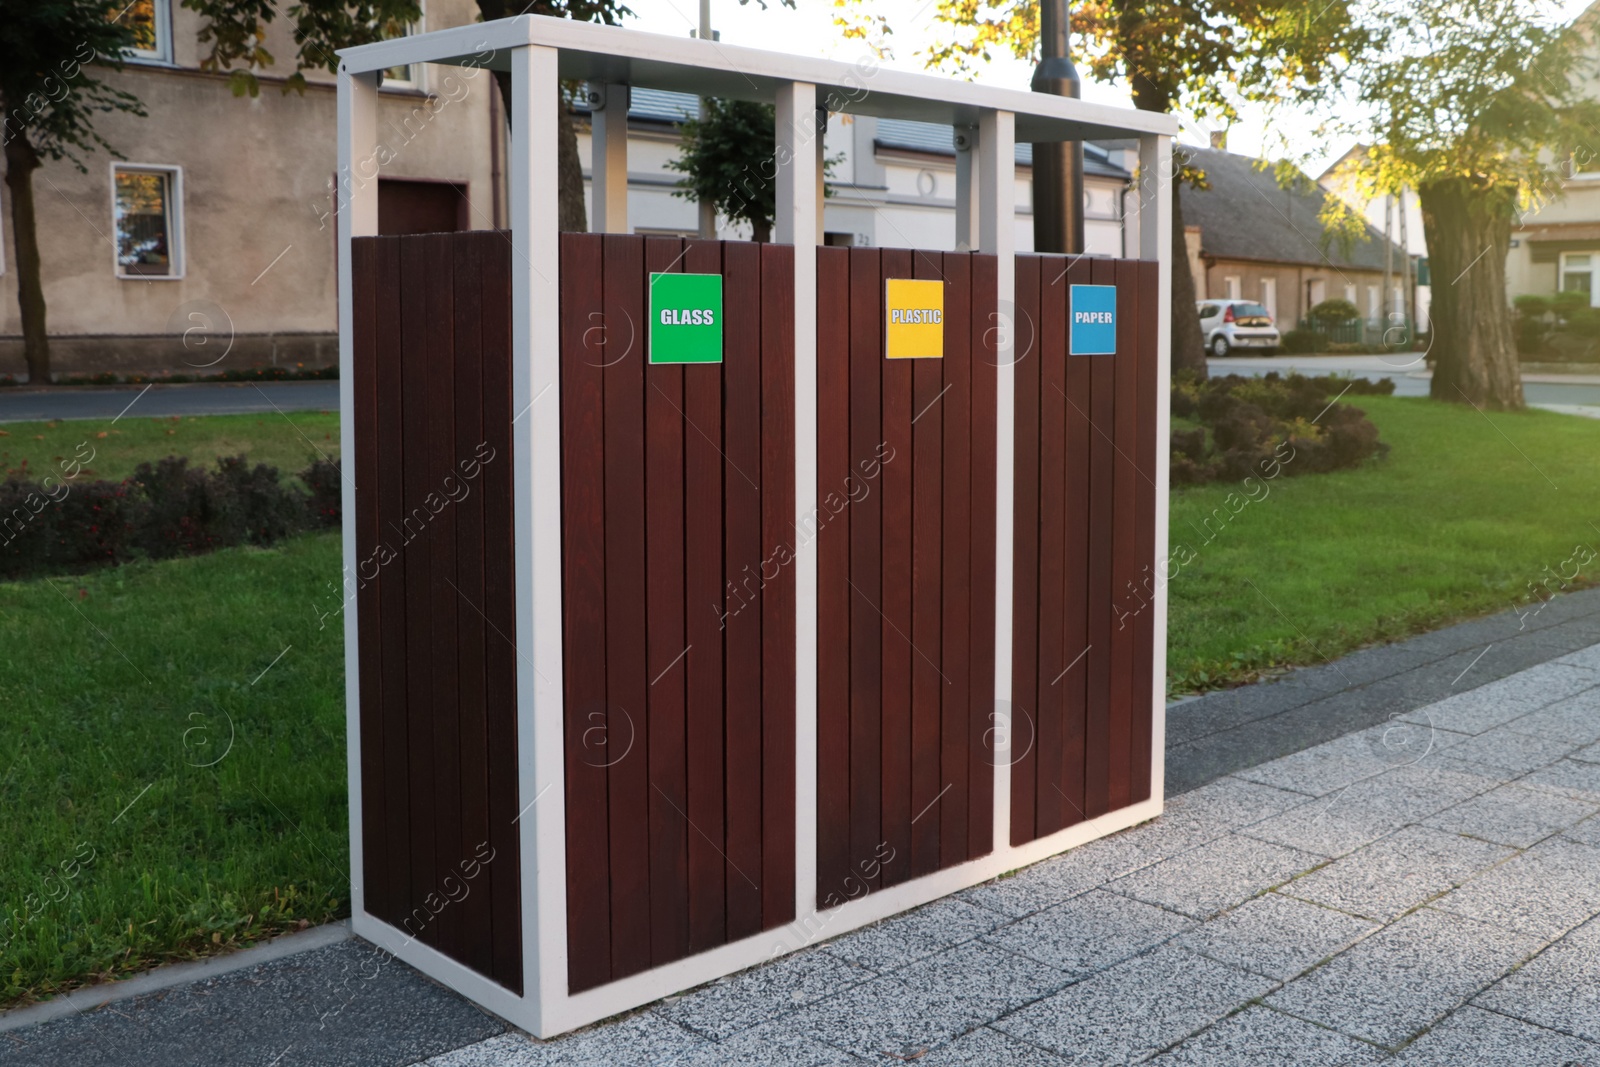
{"x": 997, "y": 235}
{"x": 536, "y": 459}
{"x": 608, "y": 148}
{"x": 797, "y": 222}
{"x": 1155, "y": 243}
{"x": 355, "y": 201}
{"x": 822, "y": 175}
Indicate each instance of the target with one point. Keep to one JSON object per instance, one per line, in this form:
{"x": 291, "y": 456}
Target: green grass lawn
{"x": 120, "y": 848}
{"x": 289, "y": 442}
{"x": 1465, "y": 512}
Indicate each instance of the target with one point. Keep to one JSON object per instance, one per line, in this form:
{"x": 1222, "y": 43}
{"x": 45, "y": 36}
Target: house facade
{"x": 210, "y": 228}
{"x": 1252, "y": 238}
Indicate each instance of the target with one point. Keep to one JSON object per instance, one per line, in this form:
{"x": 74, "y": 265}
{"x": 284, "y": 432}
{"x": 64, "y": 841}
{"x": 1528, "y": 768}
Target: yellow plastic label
{"x": 913, "y": 313}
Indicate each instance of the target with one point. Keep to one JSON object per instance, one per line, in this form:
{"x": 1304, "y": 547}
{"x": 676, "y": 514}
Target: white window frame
{"x": 1269, "y": 296}
{"x": 1592, "y": 270}
{"x": 416, "y": 82}
{"x": 1234, "y": 285}
{"x": 176, "y": 245}
{"x": 161, "y": 17}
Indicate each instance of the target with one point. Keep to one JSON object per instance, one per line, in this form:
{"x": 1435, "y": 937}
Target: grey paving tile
{"x": 1052, "y": 881}
{"x": 1335, "y": 765}
{"x": 1261, "y": 1037}
{"x": 1559, "y": 989}
{"x": 991, "y": 977}
{"x": 775, "y": 1044}
{"x": 1364, "y": 666}
{"x": 1414, "y": 791}
{"x": 1505, "y": 751}
{"x": 1216, "y": 876}
{"x": 1569, "y": 778}
{"x": 1275, "y": 935}
{"x": 762, "y": 993}
{"x": 1575, "y": 719}
{"x": 899, "y": 940}
{"x": 1329, "y": 826}
{"x": 1396, "y": 873}
{"x": 1472, "y": 1035}
{"x": 642, "y": 1040}
{"x": 1588, "y": 656}
{"x": 1588, "y": 753}
{"x": 1135, "y": 1009}
{"x": 1545, "y": 891}
{"x": 1229, "y": 708}
{"x": 1509, "y": 698}
{"x": 1229, "y": 803}
{"x": 1091, "y": 932}
{"x": 985, "y": 1047}
{"x": 1388, "y": 987}
{"x": 1586, "y": 832}
{"x": 1512, "y": 815}
{"x": 1228, "y": 751}
{"x": 886, "y": 1019}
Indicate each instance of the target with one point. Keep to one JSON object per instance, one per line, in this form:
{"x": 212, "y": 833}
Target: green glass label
{"x": 685, "y": 318}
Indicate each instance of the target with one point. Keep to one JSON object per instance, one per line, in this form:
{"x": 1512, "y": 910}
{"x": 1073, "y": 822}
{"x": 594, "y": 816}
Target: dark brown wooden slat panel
{"x": 1102, "y": 478}
{"x": 664, "y": 637}
{"x": 445, "y": 745}
{"x": 477, "y": 933}
{"x": 626, "y": 680}
{"x": 892, "y": 483}
{"x": 391, "y": 580}
{"x": 832, "y": 531}
{"x": 1075, "y": 548}
{"x": 866, "y": 642}
{"x": 982, "y": 336}
{"x": 741, "y": 370}
{"x": 1147, "y": 554}
{"x": 363, "y": 468}
{"x": 1124, "y": 532}
{"x": 955, "y": 590}
{"x": 1053, "y": 807}
{"x": 778, "y": 592}
{"x": 500, "y": 612}
{"x": 706, "y": 602}
{"x": 1025, "y": 570}
{"x": 416, "y": 278}
{"x": 930, "y": 804}
{"x": 589, "y": 340}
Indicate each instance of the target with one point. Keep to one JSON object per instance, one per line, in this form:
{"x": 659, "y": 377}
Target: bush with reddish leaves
{"x": 166, "y": 509}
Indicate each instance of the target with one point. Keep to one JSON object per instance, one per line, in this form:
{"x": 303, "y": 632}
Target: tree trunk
{"x": 760, "y": 230}
{"x": 571, "y": 214}
{"x": 1468, "y": 230}
{"x": 1188, "y": 344}
{"x": 21, "y": 162}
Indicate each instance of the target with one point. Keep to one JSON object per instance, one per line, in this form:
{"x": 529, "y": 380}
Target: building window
{"x": 146, "y": 205}
{"x": 1316, "y": 292}
{"x": 1374, "y": 309}
{"x": 1577, "y": 274}
{"x": 1234, "y": 286}
{"x": 1269, "y": 296}
{"x": 410, "y": 75}
{"x": 1350, "y": 292}
{"x": 151, "y": 22}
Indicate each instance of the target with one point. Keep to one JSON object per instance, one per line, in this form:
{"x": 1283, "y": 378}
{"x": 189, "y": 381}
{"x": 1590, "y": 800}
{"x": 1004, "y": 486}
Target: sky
{"x": 808, "y": 29}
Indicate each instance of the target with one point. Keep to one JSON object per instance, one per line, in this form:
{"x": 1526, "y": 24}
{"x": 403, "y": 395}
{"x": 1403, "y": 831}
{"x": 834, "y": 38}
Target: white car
{"x": 1241, "y": 324}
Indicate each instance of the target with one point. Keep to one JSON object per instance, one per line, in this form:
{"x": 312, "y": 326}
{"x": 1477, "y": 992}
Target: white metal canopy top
{"x": 609, "y": 54}
{"x": 541, "y": 52}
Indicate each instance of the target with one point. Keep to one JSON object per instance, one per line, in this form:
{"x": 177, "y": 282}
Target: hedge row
{"x": 164, "y": 510}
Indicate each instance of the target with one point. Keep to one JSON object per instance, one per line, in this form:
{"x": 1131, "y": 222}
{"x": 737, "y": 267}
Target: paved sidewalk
{"x": 1401, "y": 852}
{"x": 164, "y": 401}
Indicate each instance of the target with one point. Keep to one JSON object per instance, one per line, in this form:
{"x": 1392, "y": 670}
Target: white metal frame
{"x": 539, "y": 53}
{"x": 161, "y": 22}
{"x": 177, "y": 247}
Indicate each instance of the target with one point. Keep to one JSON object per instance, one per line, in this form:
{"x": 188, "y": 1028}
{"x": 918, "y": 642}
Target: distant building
{"x": 1399, "y": 216}
{"x": 1251, "y": 238}
{"x": 214, "y": 213}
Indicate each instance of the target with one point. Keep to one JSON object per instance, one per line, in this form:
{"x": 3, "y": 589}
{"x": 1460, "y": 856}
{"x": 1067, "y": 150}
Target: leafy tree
{"x": 50, "y": 97}
{"x": 1202, "y": 58}
{"x": 1464, "y": 103}
{"x": 729, "y": 156}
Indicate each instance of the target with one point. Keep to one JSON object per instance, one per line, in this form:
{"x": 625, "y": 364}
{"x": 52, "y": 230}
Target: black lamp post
{"x": 1057, "y": 165}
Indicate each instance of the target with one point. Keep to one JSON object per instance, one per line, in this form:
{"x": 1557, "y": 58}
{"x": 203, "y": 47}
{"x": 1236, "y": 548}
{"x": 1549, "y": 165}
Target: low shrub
{"x": 165, "y": 509}
{"x": 1304, "y": 342}
{"x": 1270, "y": 425}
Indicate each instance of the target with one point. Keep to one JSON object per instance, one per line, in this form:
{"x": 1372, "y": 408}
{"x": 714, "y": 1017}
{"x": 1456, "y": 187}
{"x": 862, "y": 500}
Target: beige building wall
{"x": 257, "y": 235}
{"x": 1558, "y": 240}
{"x": 1289, "y": 291}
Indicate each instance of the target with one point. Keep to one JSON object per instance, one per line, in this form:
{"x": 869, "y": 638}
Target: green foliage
{"x": 48, "y": 94}
{"x": 727, "y": 155}
{"x": 1567, "y": 301}
{"x": 1333, "y": 312}
{"x": 1533, "y": 304}
{"x": 1300, "y": 342}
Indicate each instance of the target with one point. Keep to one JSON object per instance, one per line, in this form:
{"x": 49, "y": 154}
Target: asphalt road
{"x": 164, "y": 401}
